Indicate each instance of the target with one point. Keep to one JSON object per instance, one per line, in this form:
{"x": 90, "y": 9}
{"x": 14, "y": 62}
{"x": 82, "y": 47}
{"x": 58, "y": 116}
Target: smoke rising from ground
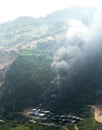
{"x": 83, "y": 43}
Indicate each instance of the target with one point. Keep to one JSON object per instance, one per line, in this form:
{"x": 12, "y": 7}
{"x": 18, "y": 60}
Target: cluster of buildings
{"x": 47, "y": 116}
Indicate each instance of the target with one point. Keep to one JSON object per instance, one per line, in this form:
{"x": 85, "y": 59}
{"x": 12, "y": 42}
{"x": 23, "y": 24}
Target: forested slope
{"x": 48, "y": 69}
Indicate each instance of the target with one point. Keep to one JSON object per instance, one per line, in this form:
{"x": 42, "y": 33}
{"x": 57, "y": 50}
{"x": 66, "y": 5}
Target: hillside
{"x": 42, "y": 65}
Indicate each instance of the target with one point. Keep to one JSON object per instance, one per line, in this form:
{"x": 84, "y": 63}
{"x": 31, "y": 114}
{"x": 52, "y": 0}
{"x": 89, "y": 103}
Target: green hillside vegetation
{"x": 18, "y": 126}
{"x": 86, "y": 124}
{"x": 27, "y": 29}
{"x": 28, "y": 77}
{"x": 28, "y": 81}
{"x": 89, "y": 124}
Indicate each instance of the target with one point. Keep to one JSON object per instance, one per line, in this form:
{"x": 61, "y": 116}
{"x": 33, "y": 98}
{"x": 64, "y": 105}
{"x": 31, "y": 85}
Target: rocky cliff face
{"x": 9, "y": 54}
{"x": 7, "y": 57}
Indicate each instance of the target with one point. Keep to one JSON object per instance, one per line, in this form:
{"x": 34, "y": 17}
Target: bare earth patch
{"x": 98, "y": 113}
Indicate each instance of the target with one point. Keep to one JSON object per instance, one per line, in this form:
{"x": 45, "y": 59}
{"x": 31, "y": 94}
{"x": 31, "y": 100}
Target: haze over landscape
{"x": 50, "y": 65}
{"x": 11, "y": 9}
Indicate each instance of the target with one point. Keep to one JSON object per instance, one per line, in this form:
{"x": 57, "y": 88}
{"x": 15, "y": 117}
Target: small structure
{"x": 45, "y": 115}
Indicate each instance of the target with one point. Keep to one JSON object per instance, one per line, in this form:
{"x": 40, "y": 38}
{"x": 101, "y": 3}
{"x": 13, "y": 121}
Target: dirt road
{"x": 98, "y": 113}
{"x": 76, "y": 127}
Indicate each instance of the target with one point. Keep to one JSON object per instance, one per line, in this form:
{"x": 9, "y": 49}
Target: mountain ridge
{"x": 36, "y": 48}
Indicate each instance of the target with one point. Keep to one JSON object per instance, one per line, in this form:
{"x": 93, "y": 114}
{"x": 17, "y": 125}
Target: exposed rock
{"x": 7, "y": 57}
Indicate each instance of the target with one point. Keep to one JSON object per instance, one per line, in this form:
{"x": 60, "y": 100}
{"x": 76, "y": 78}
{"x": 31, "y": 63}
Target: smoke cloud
{"x": 82, "y": 45}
